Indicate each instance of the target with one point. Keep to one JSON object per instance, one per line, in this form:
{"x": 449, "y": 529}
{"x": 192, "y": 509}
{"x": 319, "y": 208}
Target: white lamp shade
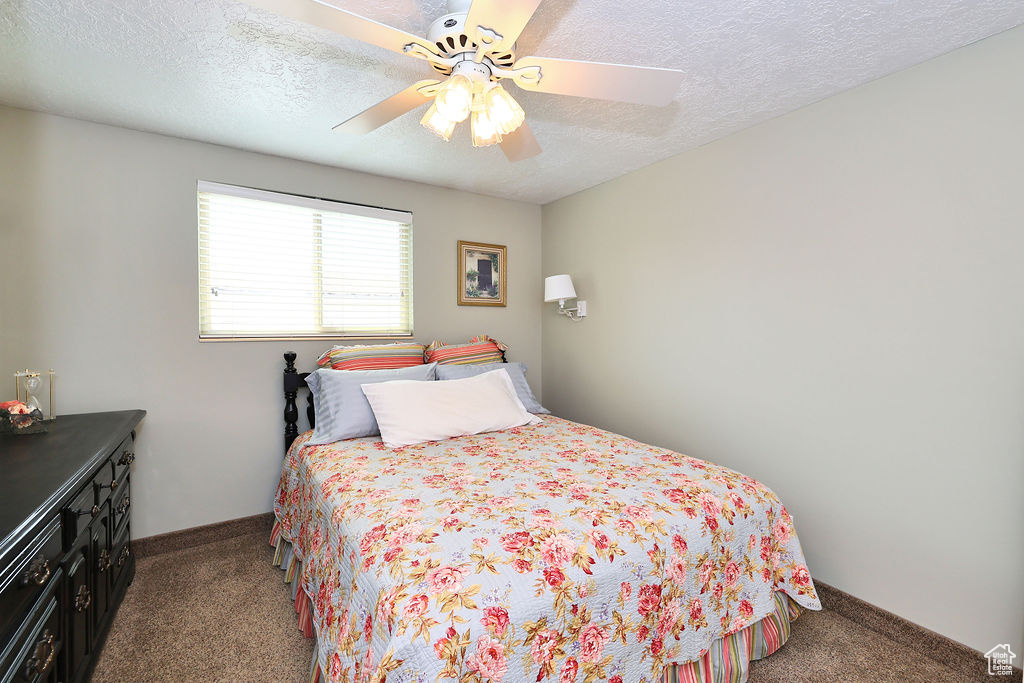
{"x": 558, "y": 287}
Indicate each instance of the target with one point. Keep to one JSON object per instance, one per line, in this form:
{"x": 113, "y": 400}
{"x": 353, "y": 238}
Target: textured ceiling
{"x": 222, "y": 72}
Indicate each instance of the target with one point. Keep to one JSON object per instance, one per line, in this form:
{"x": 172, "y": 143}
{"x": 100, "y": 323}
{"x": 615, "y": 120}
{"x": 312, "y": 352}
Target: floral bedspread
{"x": 554, "y": 552}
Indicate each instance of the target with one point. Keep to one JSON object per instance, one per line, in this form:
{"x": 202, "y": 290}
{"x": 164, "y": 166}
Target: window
{"x": 280, "y": 265}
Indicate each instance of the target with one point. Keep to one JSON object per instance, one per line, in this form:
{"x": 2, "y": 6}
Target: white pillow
{"x": 410, "y": 412}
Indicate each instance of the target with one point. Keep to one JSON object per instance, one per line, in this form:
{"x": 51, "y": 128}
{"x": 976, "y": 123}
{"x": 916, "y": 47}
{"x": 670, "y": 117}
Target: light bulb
{"x": 485, "y": 132}
{"x": 503, "y": 110}
{"x": 437, "y": 123}
{"x": 455, "y": 97}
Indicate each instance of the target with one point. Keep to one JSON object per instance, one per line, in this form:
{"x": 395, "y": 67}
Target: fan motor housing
{"x": 448, "y": 34}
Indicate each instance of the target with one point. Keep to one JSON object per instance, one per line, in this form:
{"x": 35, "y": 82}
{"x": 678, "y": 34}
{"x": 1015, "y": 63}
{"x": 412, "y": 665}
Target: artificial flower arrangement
{"x": 18, "y": 418}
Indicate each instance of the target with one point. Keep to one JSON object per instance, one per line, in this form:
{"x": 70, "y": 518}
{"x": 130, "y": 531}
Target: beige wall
{"x": 105, "y": 223}
{"x": 8, "y": 360}
{"x": 832, "y": 302}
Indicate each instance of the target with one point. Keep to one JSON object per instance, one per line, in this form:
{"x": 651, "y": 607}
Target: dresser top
{"x": 40, "y": 472}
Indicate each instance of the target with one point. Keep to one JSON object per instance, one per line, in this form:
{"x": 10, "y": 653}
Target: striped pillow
{"x": 372, "y": 357}
{"x": 479, "y": 350}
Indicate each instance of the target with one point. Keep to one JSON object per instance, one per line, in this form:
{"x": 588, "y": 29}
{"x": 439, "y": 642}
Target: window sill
{"x": 309, "y": 337}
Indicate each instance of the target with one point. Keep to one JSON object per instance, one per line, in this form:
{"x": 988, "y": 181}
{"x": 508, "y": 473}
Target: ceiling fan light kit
{"x": 470, "y": 90}
{"x": 473, "y": 47}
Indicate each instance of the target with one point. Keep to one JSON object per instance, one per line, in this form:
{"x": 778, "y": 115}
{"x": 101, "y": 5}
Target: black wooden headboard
{"x": 293, "y": 382}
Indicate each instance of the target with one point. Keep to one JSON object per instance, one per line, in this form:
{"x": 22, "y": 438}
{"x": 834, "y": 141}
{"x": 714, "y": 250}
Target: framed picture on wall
{"x": 481, "y": 274}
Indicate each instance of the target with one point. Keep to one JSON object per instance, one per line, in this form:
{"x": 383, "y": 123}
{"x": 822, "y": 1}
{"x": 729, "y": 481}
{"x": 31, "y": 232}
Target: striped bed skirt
{"x": 726, "y": 661}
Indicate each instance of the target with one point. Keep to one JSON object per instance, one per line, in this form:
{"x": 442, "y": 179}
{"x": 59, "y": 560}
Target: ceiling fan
{"x": 473, "y": 47}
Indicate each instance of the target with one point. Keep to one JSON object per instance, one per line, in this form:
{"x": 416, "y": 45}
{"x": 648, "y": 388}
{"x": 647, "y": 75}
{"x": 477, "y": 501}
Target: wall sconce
{"x": 559, "y": 288}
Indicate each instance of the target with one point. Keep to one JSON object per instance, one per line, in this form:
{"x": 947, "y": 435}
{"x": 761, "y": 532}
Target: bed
{"x": 554, "y": 551}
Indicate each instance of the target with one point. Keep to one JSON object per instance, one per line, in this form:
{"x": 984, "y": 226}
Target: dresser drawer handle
{"x": 127, "y": 458}
{"x": 104, "y": 561}
{"x": 42, "y": 658}
{"x": 93, "y": 511}
{"x": 125, "y": 504}
{"x": 83, "y": 599}
{"x": 123, "y": 557}
{"x": 37, "y": 573}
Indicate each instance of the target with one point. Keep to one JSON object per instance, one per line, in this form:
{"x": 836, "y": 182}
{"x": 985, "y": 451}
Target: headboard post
{"x": 291, "y": 411}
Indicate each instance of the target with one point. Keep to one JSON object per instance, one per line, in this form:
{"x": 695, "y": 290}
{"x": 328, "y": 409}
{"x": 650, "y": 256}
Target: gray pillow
{"x": 341, "y": 408}
{"x": 517, "y": 371}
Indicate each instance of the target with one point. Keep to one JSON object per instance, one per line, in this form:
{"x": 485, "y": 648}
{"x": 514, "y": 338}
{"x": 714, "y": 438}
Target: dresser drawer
{"x": 79, "y": 512}
{"x": 121, "y": 505}
{"x": 104, "y": 483}
{"x": 32, "y": 655}
{"x": 25, "y": 579}
{"x": 88, "y": 504}
{"x": 123, "y": 457}
{"x": 121, "y": 554}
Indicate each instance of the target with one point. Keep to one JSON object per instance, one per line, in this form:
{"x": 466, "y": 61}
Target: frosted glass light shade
{"x": 484, "y": 131}
{"x": 503, "y": 110}
{"x": 455, "y": 98}
{"x": 437, "y": 123}
{"x": 558, "y": 287}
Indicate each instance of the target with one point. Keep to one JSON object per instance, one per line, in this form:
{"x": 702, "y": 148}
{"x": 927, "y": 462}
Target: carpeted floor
{"x": 221, "y": 612}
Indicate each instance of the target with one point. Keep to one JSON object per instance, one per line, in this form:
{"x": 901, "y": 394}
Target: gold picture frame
{"x": 481, "y": 274}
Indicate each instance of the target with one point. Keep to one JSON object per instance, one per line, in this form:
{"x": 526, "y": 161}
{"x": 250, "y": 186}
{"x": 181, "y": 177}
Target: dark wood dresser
{"x": 65, "y": 558}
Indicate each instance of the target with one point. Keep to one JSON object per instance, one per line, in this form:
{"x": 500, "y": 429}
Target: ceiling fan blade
{"x": 329, "y": 16}
{"x": 637, "y": 84}
{"x": 387, "y": 110}
{"x": 507, "y": 18}
{"x": 520, "y": 144}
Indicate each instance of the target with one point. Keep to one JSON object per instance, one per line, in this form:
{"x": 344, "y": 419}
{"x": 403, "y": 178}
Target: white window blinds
{"x": 273, "y": 265}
